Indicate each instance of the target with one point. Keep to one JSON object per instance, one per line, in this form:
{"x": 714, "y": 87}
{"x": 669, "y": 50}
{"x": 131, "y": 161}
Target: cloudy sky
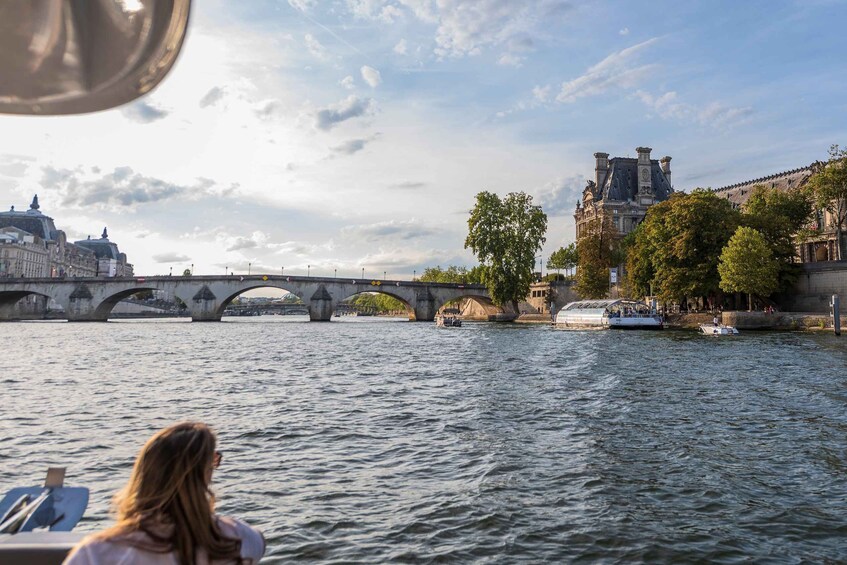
{"x": 350, "y": 134}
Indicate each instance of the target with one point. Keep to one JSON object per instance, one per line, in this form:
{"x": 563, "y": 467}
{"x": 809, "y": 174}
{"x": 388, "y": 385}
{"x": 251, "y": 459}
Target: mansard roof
{"x": 31, "y": 221}
{"x": 621, "y": 180}
{"x": 738, "y": 193}
{"x": 102, "y": 248}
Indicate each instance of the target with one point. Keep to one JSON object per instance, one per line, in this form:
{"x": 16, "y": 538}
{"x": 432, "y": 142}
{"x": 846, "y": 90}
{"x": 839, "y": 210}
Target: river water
{"x": 371, "y": 440}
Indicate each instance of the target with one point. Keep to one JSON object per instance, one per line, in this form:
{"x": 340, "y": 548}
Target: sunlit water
{"x": 384, "y": 441}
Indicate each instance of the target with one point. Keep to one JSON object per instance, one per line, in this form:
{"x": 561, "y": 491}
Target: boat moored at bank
{"x": 609, "y": 314}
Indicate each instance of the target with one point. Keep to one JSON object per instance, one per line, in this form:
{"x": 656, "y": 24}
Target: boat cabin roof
{"x": 602, "y": 304}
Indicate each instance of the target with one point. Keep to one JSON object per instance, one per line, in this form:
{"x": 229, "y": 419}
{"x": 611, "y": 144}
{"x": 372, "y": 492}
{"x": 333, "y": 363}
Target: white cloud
{"x": 302, "y": 5}
{"x": 618, "y": 70}
{"x": 371, "y": 76}
{"x": 559, "y": 197}
{"x": 171, "y": 257}
{"x": 715, "y": 114}
{"x": 542, "y": 93}
{"x": 510, "y": 59}
{"x": 401, "y": 47}
{"x": 348, "y": 82}
{"x": 315, "y": 47}
{"x": 212, "y": 97}
{"x": 391, "y": 229}
{"x": 624, "y": 31}
{"x": 349, "y": 108}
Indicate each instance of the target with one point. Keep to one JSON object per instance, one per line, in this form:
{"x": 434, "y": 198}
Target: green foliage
{"x": 291, "y": 298}
{"x": 377, "y": 302}
{"x": 747, "y": 264}
{"x": 677, "y": 246}
{"x": 453, "y": 274}
{"x": 186, "y": 273}
{"x": 566, "y": 258}
{"x": 829, "y": 190}
{"x": 597, "y": 251}
{"x": 506, "y": 235}
{"x": 779, "y": 215}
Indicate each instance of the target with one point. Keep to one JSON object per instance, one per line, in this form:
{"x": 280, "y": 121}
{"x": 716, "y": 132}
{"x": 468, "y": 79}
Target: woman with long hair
{"x": 165, "y": 514}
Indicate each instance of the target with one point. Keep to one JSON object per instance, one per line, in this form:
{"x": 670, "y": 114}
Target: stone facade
{"x": 624, "y": 187}
{"x": 819, "y": 247}
{"x": 22, "y": 254}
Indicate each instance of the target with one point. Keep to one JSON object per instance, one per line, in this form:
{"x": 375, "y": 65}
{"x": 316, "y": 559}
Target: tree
{"x": 747, "y": 265}
{"x": 453, "y": 274}
{"x": 506, "y": 235}
{"x": 829, "y": 186}
{"x": 779, "y": 215}
{"x": 565, "y": 258}
{"x": 596, "y": 253}
{"x": 186, "y": 273}
{"x": 677, "y": 247}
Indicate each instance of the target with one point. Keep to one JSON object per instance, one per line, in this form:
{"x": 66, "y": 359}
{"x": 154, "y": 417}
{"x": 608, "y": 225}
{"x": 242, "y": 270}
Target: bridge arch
{"x": 105, "y": 307}
{"x": 230, "y": 296}
{"x": 386, "y": 290}
{"x": 10, "y": 298}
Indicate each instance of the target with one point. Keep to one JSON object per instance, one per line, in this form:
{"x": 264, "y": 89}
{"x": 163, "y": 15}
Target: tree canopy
{"x": 452, "y": 274}
{"x": 506, "y": 234}
{"x": 597, "y": 251}
{"x": 565, "y": 258}
{"x": 829, "y": 189}
{"x": 747, "y": 264}
{"x": 779, "y": 215}
{"x": 677, "y": 246}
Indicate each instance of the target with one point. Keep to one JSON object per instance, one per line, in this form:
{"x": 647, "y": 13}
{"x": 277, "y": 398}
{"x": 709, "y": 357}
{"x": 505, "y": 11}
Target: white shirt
{"x": 105, "y": 552}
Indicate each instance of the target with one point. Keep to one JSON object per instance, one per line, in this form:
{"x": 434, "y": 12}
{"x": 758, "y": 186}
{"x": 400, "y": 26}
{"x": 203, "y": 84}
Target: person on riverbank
{"x": 165, "y": 514}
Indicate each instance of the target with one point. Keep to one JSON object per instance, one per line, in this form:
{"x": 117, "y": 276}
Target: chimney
{"x": 666, "y": 168}
{"x": 643, "y": 155}
{"x": 602, "y": 165}
{"x": 645, "y": 173}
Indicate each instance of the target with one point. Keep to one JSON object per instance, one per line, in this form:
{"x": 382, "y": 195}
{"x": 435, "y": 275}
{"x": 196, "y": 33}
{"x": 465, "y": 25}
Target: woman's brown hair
{"x": 169, "y": 499}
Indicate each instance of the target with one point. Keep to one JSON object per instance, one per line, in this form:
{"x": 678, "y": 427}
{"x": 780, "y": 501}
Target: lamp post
{"x": 192, "y": 269}
{"x": 414, "y": 275}
{"x": 226, "y": 270}
{"x": 282, "y": 271}
{"x": 171, "y": 272}
{"x": 308, "y": 270}
{"x": 249, "y": 267}
{"x": 383, "y": 275}
{"x": 363, "y": 272}
{"x": 335, "y": 273}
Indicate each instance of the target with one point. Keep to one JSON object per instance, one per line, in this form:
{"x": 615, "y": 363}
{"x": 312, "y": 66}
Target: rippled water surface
{"x": 384, "y": 441}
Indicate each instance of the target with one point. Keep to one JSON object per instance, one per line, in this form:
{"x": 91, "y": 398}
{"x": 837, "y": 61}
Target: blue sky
{"x": 355, "y": 133}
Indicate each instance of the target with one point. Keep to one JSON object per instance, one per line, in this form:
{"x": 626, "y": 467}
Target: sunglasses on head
{"x": 216, "y": 460}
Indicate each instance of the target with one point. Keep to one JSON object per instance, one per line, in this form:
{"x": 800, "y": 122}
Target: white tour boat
{"x": 719, "y": 329}
{"x": 602, "y": 314}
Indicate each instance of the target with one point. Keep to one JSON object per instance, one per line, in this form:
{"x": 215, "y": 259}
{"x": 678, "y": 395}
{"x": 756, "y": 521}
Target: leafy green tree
{"x": 597, "y": 251}
{"x": 453, "y": 274}
{"x": 186, "y": 273}
{"x": 747, "y": 265}
{"x": 506, "y": 234}
{"x": 779, "y": 215}
{"x": 829, "y": 187}
{"x": 565, "y": 258}
{"x": 677, "y": 246}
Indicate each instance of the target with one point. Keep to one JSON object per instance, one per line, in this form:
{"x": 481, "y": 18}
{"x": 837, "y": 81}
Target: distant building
{"x": 818, "y": 247}
{"x": 22, "y": 254}
{"x": 110, "y": 261}
{"x": 63, "y": 258}
{"x": 626, "y": 188}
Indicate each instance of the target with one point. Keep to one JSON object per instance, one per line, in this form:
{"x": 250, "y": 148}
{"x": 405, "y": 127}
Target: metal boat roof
{"x": 592, "y": 304}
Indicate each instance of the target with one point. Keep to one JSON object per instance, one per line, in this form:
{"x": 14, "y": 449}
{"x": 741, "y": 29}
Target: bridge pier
{"x": 81, "y": 306}
{"x": 425, "y": 308}
{"x": 204, "y": 306}
{"x": 321, "y": 306}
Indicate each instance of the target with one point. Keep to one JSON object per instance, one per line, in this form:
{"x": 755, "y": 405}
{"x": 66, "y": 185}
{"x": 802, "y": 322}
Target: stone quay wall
{"x": 815, "y": 287}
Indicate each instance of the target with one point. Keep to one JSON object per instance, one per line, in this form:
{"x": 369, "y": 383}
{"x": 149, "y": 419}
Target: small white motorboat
{"x": 719, "y": 329}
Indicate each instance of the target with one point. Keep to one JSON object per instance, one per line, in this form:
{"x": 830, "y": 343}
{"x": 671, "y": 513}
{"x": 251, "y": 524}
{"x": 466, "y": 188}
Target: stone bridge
{"x": 92, "y": 299}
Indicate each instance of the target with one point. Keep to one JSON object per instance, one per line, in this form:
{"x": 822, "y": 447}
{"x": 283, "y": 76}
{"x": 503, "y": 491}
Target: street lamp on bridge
{"x": 192, "y": 269}
{"x": 249, "y": 267}
{"x": 363, "y": 272}
{"x": 308, "y": 270}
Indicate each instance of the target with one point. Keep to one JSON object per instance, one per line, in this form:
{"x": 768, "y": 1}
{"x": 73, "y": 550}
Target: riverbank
{"x": 781, "y": 321}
